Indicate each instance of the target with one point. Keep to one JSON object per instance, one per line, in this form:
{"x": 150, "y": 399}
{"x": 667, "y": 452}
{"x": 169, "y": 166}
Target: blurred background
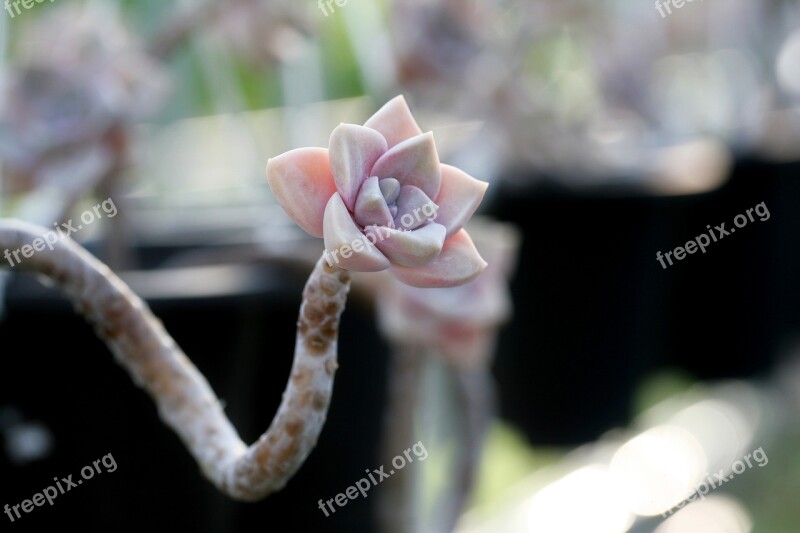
{"x": 608, "y": 132}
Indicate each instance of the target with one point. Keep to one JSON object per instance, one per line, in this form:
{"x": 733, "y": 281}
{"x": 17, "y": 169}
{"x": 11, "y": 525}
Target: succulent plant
{"x": 381, "y": 199}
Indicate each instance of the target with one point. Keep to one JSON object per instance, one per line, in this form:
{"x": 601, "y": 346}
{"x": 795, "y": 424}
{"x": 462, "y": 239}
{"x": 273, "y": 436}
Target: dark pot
{"x": 596, "y": 312}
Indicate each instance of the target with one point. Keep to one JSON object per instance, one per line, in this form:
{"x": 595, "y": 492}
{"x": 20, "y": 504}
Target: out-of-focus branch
{"x": 397, "y": 505}
{"x": 181, "y": 24}
{"x": 476, "y": 398}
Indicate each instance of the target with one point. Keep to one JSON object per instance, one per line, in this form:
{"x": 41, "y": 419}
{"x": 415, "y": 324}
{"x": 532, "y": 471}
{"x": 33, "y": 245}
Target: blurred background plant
{"x": 608, "y": 133}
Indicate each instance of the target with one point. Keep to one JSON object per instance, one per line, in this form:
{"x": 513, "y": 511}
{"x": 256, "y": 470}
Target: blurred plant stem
{"x": 117, "y": 253}
{"x": 468, "y": 419}
{"x": 476, "y": 398}
{"x": 398, "y": 509}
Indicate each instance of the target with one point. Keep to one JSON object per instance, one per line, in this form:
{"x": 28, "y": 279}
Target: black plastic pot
{"x": 596, "y": 311}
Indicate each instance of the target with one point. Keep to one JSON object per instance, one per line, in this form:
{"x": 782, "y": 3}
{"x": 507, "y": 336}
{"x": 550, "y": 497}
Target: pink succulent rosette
{"x": 382, "y": 200}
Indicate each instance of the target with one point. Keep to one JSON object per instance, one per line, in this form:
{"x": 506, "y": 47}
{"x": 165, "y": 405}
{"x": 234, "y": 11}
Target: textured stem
{"x": 184, "y": 398}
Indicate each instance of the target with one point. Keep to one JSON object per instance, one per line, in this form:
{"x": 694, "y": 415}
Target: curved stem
{"x": 184, "y": 398}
